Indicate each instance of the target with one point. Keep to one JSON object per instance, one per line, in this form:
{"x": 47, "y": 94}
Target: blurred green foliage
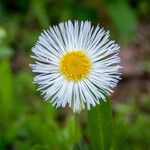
{"x": 131, "y": 125}
{"x": 122, "y": 17}
{"x": 29, "y": 123}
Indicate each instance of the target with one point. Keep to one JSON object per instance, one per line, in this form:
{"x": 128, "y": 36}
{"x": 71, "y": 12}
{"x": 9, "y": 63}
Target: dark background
{"x": 29, "y": 123}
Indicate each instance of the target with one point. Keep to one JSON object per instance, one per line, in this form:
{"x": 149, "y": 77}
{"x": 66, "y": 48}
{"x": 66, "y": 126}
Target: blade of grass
{"x": 100, "y": 126}
{"x": 6, "y": 87}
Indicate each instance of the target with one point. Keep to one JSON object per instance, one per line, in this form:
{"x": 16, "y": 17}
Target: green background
{"x": 29, "y": 123}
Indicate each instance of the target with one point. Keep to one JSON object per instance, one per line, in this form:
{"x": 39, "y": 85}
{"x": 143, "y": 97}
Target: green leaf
{"x": 100, "y": 126}
{"x": 6, "y": 87}
{"x": 123, "y": 18}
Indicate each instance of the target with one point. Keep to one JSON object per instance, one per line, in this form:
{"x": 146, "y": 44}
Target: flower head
{"x": 76, "y": 64}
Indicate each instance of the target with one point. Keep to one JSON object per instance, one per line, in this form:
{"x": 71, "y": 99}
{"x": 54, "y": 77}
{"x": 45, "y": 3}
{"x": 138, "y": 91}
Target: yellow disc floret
{"x": 75, "y": 65}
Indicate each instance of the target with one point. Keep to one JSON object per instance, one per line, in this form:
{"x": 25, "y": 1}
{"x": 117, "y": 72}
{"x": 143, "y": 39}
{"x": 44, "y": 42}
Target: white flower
{"x": 76, "y": 64}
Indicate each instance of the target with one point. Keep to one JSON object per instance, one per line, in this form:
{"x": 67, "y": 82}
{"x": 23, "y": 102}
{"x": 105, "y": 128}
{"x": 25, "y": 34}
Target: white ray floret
{"x": 76, "y": 64}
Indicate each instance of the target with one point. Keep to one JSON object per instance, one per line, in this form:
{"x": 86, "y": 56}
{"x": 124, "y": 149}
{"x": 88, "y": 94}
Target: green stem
{"x": 100, "y": 126}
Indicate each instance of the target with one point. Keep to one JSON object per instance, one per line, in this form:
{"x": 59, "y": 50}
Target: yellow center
{"x": 75, "y": 65}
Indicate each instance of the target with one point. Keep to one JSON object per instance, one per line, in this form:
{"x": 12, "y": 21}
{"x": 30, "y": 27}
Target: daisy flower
{"x": 76, "y": 64}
